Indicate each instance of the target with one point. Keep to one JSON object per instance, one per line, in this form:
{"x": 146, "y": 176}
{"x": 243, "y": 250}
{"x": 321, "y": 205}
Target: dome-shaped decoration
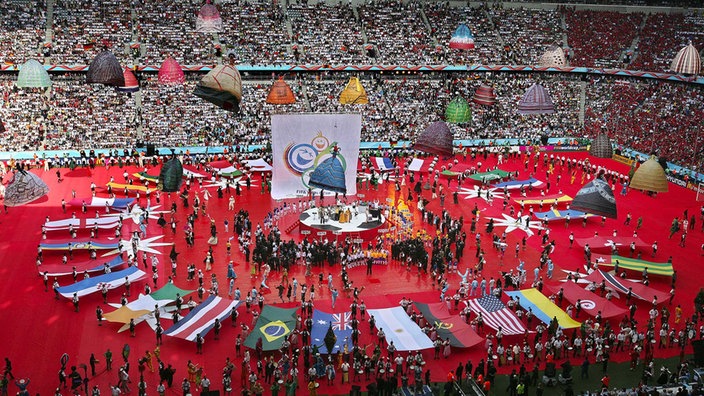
{"x": 536, "y": 101}
{"x": 170, "y": 73}
{"x": 281, "y": 93}
{"x": 24, "y": 188}
{"x": 436, "y": 139}
{"x": 33, "y": 75}
{"x": 458, "y": 111}
{"x": 597, "y": 198}
{"x": 105, "y": 69}
{"x": 131, "y": 83}
{"x": 462, "y": 39}
{"x": 329, "y": 175}
{"x": 485, "y": 95}
{"x": 209, "y": 20}
{"x": 687, "y": 61}
{"x": 171, "y": 175}
{"x": 601, "y": 147}
{"x": 354, "y": 93}
{"x": 650, "y": 176}
{"x": 554, "y": 56}
{"x": 222, "y": 87}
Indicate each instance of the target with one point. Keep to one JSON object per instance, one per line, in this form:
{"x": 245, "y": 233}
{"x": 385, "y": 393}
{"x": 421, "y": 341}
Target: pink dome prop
{"x": 687, "y": 61}
{"x": 171, "y": 73}
{"x": 209, "y": 20}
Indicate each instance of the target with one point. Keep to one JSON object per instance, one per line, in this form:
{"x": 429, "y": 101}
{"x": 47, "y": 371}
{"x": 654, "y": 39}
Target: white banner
{"x": 301, "y": 142}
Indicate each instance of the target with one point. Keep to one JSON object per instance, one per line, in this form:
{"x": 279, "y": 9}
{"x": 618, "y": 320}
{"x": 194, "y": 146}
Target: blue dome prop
{"x": 329, "y": 175}
{"x": 462, "y": 39}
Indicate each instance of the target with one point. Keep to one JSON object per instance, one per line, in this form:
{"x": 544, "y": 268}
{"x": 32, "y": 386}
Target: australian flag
{"x": 340, "y": 323}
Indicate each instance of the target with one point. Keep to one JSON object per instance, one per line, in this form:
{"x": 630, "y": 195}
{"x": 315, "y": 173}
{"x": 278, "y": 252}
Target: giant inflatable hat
{"x": 33, "y": 75}
{"x": 650, "y": 176}
{"x": 597, "y": 198}
{"x": 601, "y": 147}
{"x": 105, "y": 69}
{"x": 536, "y": 101}
{"x": 436, "y": 139}
{"x": 329, "y": 175}
{"x": 354, "y": 93}
{"x": 24, "y": 188}
{"x": 687, "y": 61}
{"x": 208, "y": 20}
{"x": 222, "y": 87}
{"x": 458, "y": 111}
{"x": 171, "y": 175}
{"x": 281, "y": 93}
{"x": 462, "y": 39}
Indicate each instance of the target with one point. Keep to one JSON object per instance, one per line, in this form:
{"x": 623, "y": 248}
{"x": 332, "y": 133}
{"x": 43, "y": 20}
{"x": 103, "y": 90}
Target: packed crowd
{"x": 638, "y": 115}
{"x": 374, "y": 32}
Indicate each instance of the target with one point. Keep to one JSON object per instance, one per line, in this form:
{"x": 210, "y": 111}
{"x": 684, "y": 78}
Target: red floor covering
{"x": 37, "y": 330}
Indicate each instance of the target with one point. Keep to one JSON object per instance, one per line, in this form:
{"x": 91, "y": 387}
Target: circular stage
{"x": 359, "y": 222}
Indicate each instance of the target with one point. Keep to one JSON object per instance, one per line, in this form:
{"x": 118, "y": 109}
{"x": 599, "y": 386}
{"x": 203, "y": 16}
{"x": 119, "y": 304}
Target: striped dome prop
{"x": 462, "y": 39}
{"x": 536, "y": 101}
{"x": 131, "y": 83}
{"x": 687, "y": 61}
{"x": 601, "y": 147}
{"x": 485, "y": 95}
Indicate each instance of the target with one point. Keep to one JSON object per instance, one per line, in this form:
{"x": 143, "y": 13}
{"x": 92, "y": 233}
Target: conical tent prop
{"x": 170, "y": 73}
{"x": 131, "y": 83}
{"x": 209, "y": 20}
{"x": 171, "y": 175}
{"x": 597, "y": 198}
{"x": 601, "y": 147}
{"x": 650, "y": 176}
{"x": 458, "y": 111}
{"x": 222, "y": 87}
{"x": 354, "y": 93}
{"x": 687, "y": 61}
{"x": 33, "y": 75}
{"x": 485, "y": 95}
{"x": 329, "y": 175}
{"x": 280, "y": 93}
{"x": 436, "y": 139}
{"x": 553, "y": 57}
{"x": 462, "y": 39}
{"x": 105, "y": 69}
{"x": 536, "y": 101}
{"x": 24, "y": 188}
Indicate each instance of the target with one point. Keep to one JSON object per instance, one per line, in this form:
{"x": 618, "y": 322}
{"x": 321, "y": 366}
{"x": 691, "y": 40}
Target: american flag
{"x": 495, "y": 315}
{"x": 341, "y": 321}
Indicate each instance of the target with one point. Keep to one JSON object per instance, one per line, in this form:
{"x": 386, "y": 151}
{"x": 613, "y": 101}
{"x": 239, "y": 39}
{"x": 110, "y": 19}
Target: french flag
{"x": 202, "y": 318}
{"x": 382, "y": 164}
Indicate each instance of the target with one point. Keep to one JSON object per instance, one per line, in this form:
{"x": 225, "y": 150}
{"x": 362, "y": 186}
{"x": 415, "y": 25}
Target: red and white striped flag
{"x": 495, "y": 315}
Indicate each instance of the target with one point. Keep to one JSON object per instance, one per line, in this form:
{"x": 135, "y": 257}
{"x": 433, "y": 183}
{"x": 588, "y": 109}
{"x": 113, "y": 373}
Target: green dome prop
{"x": 171, "y": 175}
{"x": 458, "y": 111}
{"x": 33, "y": 75}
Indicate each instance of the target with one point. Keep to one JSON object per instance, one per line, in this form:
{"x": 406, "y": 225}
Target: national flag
{"x": 130, "y": 187}
{"x": 417, "y": 165}
{"x": 147, "y": 176}
{"x": 273, "y": 325}
{"x": 636, "y": 265}
{"x": 495, "y": 315}
{"x": 517, "y": 184}
{"x": 449, "y": 326}
{"x": 545, "y": 199}
{"x": 589, "y": 302}
{"x": 88, "y": 265}
{"x": 598, "y": 243}
{"x": 340, "y": 326}
{"x": 79, "y": 243}
{"x": 87, "y": 223}
{"x": 382, "y": 163}
{"x": 399, "y": 328}
{"x": 543, "y": 308}
{"x": 490, "y": 175}
{"x": 95, "y": 202}
{"x": 95, "y": 284}
{"x": 190, "y": 171}
{"x": 258, "y": 165}
{"x": 553, "y": 215}
{"x": 638, "y": 290}
{"x": 202, "y": 318}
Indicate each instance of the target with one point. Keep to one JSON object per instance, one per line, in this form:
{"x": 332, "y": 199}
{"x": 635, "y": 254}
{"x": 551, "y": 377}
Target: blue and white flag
{"x": 340, "y": 326}
{"x": 382, "y": 164}
{"x": 95, "y": 284}
{"x": 399, "y": 328}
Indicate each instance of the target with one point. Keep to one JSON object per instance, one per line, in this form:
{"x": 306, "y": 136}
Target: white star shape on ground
{"x": 136, "y": 213}
{"x": 474, "y": 193}
{"x": 144, "y": 245}
{"x": 322, "y": 322}
{"x": 512, "y": 224}
{"x": 223, "y": 183}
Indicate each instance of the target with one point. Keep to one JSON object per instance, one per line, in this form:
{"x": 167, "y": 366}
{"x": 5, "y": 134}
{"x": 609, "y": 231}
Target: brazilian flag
{"x": 273, "y": 326}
